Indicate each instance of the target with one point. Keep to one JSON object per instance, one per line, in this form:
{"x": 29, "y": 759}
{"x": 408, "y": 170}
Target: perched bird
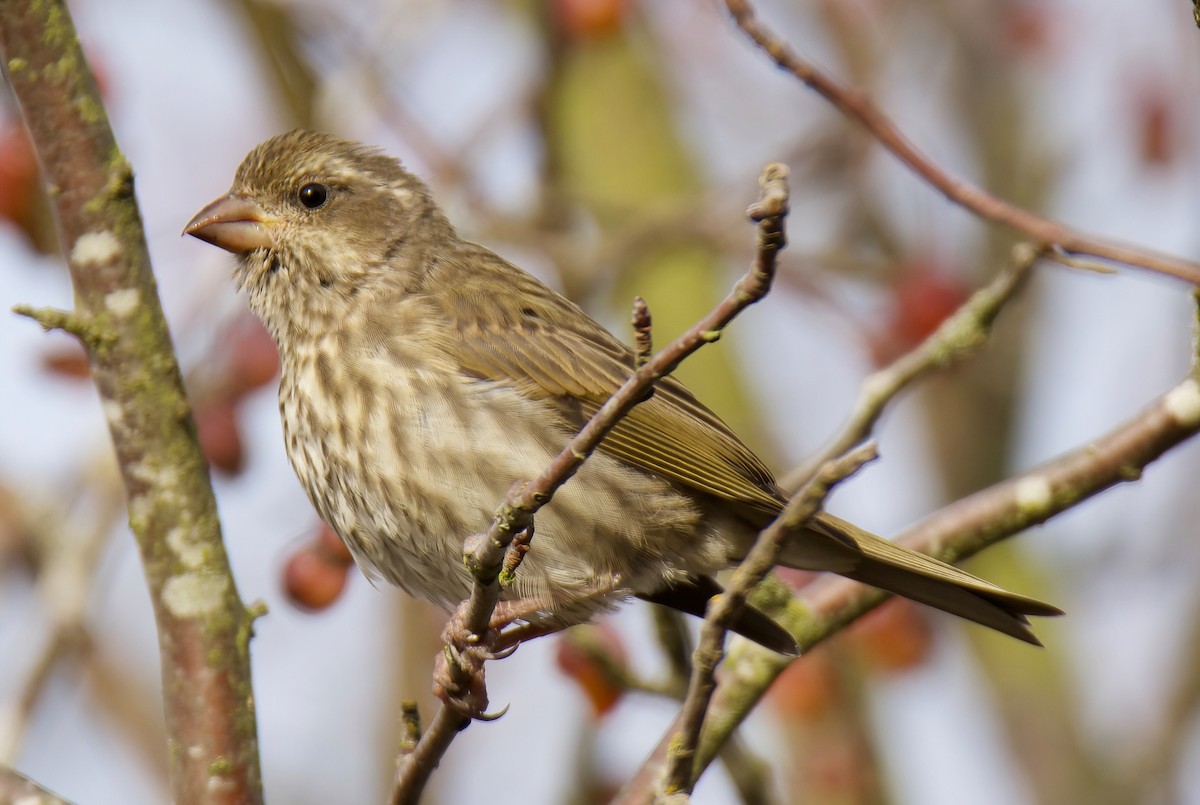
{"x": 422, "y": 375}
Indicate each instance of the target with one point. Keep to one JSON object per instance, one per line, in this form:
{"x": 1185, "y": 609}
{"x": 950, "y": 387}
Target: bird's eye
{"x": 313, "y": 195}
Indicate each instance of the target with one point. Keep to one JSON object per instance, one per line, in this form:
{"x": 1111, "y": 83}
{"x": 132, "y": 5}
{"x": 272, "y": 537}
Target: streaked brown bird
{"x": 423, "y": 375}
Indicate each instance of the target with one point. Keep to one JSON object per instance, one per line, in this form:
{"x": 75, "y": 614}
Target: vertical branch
{"x": 643, "y": 334}
{"x": 203, "y": 628}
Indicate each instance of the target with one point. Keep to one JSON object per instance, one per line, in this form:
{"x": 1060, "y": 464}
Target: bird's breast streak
{"x": 420, "y": 464}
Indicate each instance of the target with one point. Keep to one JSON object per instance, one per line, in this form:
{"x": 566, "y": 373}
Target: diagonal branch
{"x": 859, "y": 108}
{"x": 203, "y": 628}
{"x": 724, "y": 609}
{"x": 957, "y": 337}
{"x": 486, "y": 553}
{"x": 19, "y": 789}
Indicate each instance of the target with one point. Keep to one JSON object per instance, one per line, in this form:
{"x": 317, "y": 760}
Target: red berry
{"x": 892, "y": 637}
{"x": 67, "y": 360}
{"x": 590, "y": 19}
{"x": 808, "y": 688}
{"x": 253, "y": 358}
{"x": 577, "y": 659}
{"x": 220, "y": 437}
{"x": 311, "y": 581}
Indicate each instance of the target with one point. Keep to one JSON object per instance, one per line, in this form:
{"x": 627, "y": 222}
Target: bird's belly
{"x": 406, "y": 476}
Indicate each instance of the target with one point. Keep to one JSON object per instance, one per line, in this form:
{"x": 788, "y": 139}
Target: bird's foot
{"x": 458, "y": 673}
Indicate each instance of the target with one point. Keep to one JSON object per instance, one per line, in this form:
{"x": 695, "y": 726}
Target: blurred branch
{"x": 65, "y": 575}
{"x": 1160, "y": 758}
{"x": 272, "y": 24}
{"x": 957, "y": 337}
{"x": 614, "y": 670}
{"x": 132, "y": 706}
{"x": 20, "y": 790}
{"x": 486, "y": 553}
{"x": 1044, "y": 231}
{"x": 203, "y": 627}
{"x": 749, "y": 774}
{"x": 675, "y": 640}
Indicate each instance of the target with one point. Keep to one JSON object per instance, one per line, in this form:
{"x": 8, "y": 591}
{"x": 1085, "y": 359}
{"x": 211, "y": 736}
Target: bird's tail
{"x": 831, "y": 544}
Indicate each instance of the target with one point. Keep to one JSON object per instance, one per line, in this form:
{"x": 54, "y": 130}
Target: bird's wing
{"x": 549, "y": 349}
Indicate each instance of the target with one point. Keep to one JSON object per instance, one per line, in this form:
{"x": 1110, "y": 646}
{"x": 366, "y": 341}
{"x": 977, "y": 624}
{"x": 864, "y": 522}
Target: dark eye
{"x": 313, "y": 195}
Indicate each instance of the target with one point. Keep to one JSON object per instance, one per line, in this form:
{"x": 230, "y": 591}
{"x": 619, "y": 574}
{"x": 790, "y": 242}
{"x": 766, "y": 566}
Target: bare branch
{"x": 969, "y": 525}
{"x": 956, "y": 532}
{"x": 724, "y": 609}
{"x": 859, "y": 108}
{"x": 957, "y": 337}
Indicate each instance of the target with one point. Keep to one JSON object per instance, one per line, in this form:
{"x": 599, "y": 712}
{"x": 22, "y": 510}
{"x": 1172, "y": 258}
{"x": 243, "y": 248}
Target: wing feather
{"x": 550, "y": 350}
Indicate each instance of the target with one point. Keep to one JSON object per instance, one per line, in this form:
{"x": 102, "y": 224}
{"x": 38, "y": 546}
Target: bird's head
{"x": 317, "y": 221}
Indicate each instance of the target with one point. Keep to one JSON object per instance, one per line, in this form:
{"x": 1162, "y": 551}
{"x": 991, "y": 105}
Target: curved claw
{"x": 459, "y": 672}
{"x": 492, "y": 716}
{"x": 505, "y": 653}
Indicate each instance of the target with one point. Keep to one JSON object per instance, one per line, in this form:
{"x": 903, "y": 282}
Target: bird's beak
{"x": 235, "y": 223}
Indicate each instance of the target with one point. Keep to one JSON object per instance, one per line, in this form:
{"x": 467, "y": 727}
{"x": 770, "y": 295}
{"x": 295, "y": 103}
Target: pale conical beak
{"x": 235, "y": 223}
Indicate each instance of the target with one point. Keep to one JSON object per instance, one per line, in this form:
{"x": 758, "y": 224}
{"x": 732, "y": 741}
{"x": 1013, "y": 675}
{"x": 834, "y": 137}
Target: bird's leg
{"x": 458, "y": 679}
{"x": 458, "y": 675}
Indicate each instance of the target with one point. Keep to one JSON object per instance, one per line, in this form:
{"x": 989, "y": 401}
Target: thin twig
{"x": 410, "y": 725}
{"x": 956, "y": 338}
{"x": 643, "y": 336}
{"x": 65, "y": 578}
{"x": 859, "y": 108}
{"x": 515, "y": 515}
{"x": 724, "y": 609}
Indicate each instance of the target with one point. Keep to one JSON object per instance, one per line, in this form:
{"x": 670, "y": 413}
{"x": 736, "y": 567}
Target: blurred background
{"x": 611, "y": 147}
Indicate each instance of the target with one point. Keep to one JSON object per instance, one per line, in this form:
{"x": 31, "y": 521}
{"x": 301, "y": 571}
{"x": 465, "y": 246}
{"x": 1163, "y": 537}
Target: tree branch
{"x": 956, "y": 338}
{"x": 203, "y": 628}
{"x": 857, "y": 107}
{"x": 724, "y": 609}
{"x": 19, "y": 789}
